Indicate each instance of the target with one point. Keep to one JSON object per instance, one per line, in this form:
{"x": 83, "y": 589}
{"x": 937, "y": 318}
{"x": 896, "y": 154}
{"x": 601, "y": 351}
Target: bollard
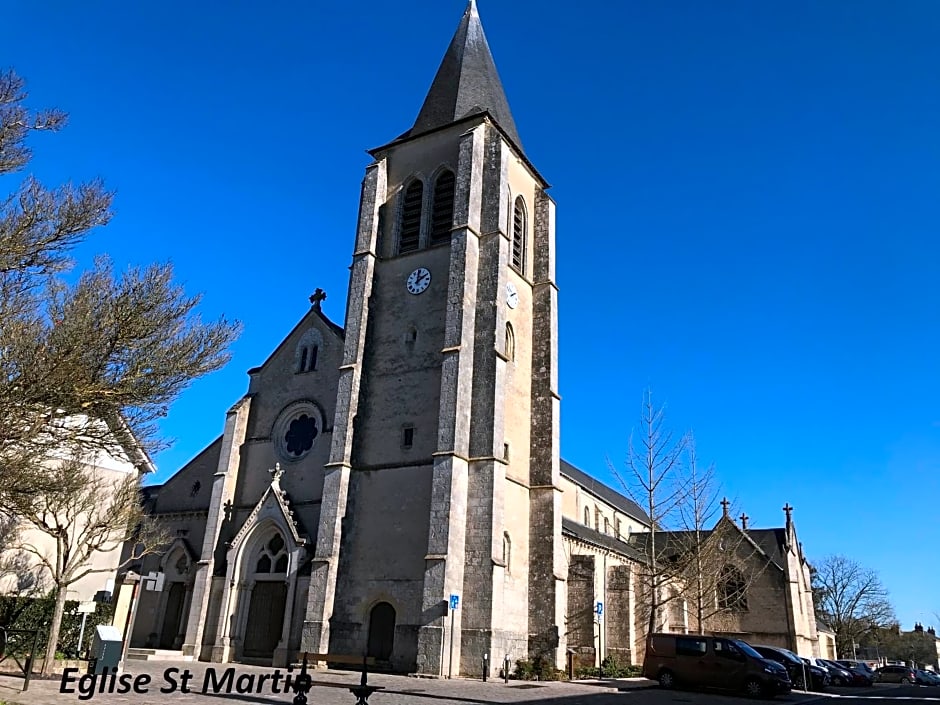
{"x": 506, "y": 669}
{"x": 302, "y": 684}
{"x": 486, "y": 665}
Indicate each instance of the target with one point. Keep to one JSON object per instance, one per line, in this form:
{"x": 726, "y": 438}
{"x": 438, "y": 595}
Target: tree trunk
{"x": 54, "y": 628}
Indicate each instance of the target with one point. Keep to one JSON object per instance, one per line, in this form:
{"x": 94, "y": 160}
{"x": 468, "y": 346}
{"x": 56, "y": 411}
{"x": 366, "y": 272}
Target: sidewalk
{"x": 208, "y": 683}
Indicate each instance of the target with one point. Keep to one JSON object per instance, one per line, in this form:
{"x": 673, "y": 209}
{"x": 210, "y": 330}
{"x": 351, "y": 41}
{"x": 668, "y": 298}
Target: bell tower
{"x": 443, "y": 475}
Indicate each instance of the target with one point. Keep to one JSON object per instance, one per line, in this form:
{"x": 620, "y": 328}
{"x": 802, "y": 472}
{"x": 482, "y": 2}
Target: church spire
{"x": 466, "y": 82}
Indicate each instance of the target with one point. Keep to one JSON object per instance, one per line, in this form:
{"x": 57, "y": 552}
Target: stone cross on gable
{"x": 744, "y": 517}
{"x": 276, "y": 473}
{"x": 228, "y": 507}
{"x": 317, "y": 298}
{"x": 788, "y": 510}
{"x": 724, "y": 506}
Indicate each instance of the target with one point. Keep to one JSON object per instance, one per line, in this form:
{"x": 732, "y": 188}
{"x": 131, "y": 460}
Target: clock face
{"x": 418, "y": 280}
{"x": 512, "y": 296}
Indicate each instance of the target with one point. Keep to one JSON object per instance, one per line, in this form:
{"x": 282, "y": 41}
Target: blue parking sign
{"x": 454, "y": 601}
{"x": 600, "y": 608}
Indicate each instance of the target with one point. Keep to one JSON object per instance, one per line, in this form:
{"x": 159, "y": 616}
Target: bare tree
{"x": 87, "y": 367}
{"x": 84, "y": 511}
{"x": 851, "y": 599}
{"x": 654, "y": 480}
{"x": 718, "y": 562}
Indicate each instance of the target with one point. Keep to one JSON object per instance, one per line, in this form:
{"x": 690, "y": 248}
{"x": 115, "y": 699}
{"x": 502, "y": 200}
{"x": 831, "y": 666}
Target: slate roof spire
{"x": 466, "y": 82}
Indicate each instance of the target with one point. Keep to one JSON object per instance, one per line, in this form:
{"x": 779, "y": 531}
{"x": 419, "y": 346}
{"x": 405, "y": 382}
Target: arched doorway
{"x": 381, "y": 631}
{"x": 268, "y": 599}
{"x": 172, "y": 615}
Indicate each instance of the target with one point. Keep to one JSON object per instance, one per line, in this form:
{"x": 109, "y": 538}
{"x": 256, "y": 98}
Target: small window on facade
{"x": 307, "y": 350}
{"x": 617, "y": 527}
{"x": 587, "y": 516}
{"x": 197, "y": 485}
{"x": 505, "y": 451}
{"x": 597, "y": 519}
{"x": 407, "y": 436}
{"x": 519, "y": 230}
{"x": 442, "y": 212}
{"x": 606, "y": 525}
{"x": 510, "y": 342}
{"x": 507, "y": 550}
{"x": 409, "y": 237}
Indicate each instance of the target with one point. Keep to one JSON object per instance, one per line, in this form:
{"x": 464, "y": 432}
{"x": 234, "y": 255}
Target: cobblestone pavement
{"x": 211, "y": 683}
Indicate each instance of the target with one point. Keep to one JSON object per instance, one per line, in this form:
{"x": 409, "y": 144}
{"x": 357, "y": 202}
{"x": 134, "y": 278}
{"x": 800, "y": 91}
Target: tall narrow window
{"x": 407, "y": 436}
{"x": 410, "y": 235}
{"x": 587, "y": 516}
{"x": 519, "y": 230}
{"x": 617, "y": 526}
{"x": 303, "y": 360}
{"x": 510, "y": 342}
{"x": 507, "y": 550}
{"x": 606, "y": 525}
{"x": 442, "y": 213}
{"x": 312, "y": 362}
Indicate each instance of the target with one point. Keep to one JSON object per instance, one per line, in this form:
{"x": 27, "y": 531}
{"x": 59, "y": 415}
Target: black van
{"x": 712, "y": 662}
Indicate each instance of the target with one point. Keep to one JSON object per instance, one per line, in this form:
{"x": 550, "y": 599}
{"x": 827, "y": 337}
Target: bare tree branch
{"x": 654, "y": 480}
{"x": 84, "y": 511}
{"x": 850, "y": 598}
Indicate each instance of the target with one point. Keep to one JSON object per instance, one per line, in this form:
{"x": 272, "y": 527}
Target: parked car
{"x": 895, "y": 674}
{"x": 926, "y": 678}
{"x": 838, "y": 675}
{"x": 861, "y": 668}
{"x": 798, "y": 671}
{"x": 712, "y": 662}
{"x": 848, "y": 675}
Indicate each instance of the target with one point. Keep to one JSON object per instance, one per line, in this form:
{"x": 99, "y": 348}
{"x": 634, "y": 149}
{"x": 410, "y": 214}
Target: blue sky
{"x": 747, "y": 214}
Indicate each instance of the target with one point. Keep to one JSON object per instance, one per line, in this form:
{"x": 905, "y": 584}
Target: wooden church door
{"x": 265, "y": 619}
{"x": 381, "y": 631}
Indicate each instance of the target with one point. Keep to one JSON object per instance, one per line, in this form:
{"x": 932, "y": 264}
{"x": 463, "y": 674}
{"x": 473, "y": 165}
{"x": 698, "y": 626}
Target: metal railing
{"x": 20, "y": 645}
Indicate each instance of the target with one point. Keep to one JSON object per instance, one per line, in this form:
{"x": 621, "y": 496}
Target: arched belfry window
{"x": 519, "y": 231}
{"x": 587, "y": 516}
{"x": 409, "y": 237}
{"x": 510, "y": 342}
{"x": 442, "y": 212}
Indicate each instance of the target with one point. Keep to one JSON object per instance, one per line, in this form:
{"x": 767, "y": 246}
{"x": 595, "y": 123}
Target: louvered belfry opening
{"x": 410, "y": 236}
{"x": 518, "y": 235}
{"x": 442, "y": 218}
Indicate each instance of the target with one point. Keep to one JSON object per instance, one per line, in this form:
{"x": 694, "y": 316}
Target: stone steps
{"x": 138, "y": 654}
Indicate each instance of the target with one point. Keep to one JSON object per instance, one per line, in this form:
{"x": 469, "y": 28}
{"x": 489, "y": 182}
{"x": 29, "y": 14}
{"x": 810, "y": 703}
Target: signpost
{"x": 454, "y": 604}
{"x": 84, "y": 608}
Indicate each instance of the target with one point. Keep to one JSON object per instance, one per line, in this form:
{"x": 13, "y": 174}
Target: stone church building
{"x": 375, "y": 469}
